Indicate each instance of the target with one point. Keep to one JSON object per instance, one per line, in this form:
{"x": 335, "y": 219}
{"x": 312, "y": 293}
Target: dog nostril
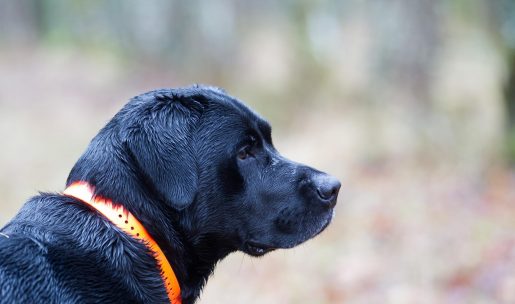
{"x": 327, "y": 194}
{"x": 327, "y": 188}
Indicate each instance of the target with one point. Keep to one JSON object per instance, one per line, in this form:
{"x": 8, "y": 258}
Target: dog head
{"x": 211, "y": 158}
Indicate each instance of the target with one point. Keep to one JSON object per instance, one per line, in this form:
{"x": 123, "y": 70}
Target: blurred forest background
{"x": 411, "y": 103}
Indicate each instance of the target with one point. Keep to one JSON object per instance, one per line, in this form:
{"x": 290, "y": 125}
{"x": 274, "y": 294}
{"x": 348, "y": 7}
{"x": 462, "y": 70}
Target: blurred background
{"x": 411, "y": 103}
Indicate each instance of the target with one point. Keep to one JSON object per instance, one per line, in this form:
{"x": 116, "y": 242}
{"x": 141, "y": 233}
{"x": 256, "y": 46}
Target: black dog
{"x": 199, "y": 171}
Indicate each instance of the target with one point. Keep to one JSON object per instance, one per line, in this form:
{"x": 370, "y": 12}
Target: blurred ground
{"x": 407, "y": 110}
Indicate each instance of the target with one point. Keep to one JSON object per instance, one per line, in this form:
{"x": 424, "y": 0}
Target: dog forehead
{"x": 236, "y": 120}
{"x": 226, "y": 106}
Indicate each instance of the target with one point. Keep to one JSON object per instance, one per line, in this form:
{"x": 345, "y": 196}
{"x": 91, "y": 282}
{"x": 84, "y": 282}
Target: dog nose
{"x": 327, "y": 188}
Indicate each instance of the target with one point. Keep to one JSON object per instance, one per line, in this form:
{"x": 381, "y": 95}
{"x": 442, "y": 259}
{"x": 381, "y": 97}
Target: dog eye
{"x": 244, "y": 153}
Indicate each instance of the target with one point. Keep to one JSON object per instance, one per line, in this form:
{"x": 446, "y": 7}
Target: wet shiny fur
{"x": 198, "y": 169}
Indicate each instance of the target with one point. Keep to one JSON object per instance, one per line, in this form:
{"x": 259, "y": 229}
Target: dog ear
{"x": 158, "y": 135}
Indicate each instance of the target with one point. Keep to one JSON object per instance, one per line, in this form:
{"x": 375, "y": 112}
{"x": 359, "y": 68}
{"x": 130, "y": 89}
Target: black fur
{"x": 198, "y": 169}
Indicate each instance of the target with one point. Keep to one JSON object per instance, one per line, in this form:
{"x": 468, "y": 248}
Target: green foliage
{"x": 510, "y": 146}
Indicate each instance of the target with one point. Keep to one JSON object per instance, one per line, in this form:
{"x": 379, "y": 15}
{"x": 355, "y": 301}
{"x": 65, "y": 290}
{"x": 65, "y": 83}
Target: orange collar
{"x": 122, "y": 218}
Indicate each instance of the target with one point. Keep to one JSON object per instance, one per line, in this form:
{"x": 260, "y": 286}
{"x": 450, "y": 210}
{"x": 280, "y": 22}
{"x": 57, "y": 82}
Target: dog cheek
{"x": 231, "y": 179}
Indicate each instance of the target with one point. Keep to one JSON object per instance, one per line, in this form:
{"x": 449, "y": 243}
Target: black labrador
{"x": 199, "y": 171}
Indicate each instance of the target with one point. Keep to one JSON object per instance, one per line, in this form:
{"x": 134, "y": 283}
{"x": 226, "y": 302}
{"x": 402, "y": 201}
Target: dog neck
{"x": 124, "y": 220}
{"x": 192, "y": 254}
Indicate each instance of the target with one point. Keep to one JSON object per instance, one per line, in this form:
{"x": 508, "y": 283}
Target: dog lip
{"x": 257, "y": 249}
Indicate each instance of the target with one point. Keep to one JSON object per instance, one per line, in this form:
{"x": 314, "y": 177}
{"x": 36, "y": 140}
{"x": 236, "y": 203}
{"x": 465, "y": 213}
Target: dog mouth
{"x": 257, "y": 249}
